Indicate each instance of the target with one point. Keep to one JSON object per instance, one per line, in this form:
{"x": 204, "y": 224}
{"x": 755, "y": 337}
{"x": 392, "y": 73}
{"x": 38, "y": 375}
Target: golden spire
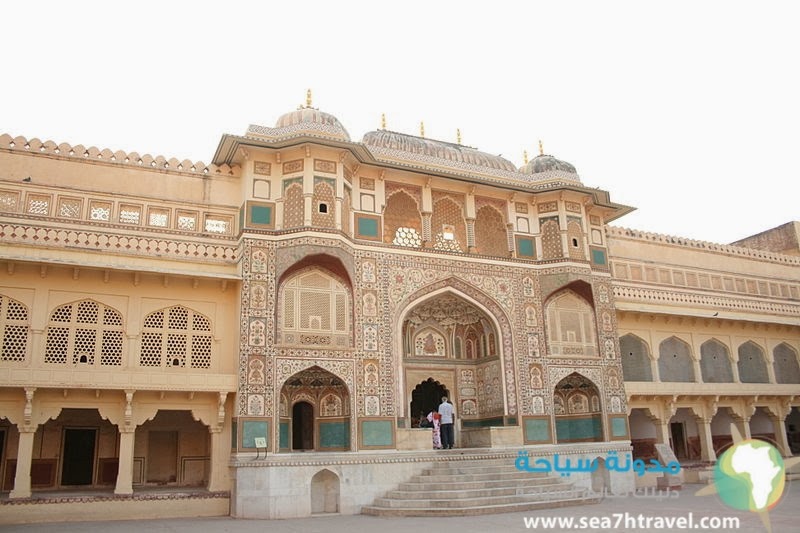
{"x": 524, "y": 157}
{"x": 308, "y": 98}
{"x": 541, "y": 148}
{"x": 422, "y": 129}
{"x": 383, "y": 121}
{"x": 458, "y": 136}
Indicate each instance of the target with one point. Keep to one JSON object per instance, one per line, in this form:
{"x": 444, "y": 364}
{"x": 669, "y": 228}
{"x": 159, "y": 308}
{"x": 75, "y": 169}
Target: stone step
{"x": 467, "y": 485}
{"x": 477, "y": 510}
{"x": 486, "y": 476}
{"x": 481, "y": 492}
{"x": 473, "y": 469}
{"x": 484, "y": 501}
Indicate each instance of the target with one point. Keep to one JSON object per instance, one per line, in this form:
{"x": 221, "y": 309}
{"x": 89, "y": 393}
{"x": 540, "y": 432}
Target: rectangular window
{"x": 187, "y": 221}
{"x": 218, "y": 224}
{"x": 158, "y": 217}
{"x": 130, "y": 214}
{"x": 100, "y": 211}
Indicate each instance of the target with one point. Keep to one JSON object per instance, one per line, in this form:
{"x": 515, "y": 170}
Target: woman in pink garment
{"x": 435, "y": 419}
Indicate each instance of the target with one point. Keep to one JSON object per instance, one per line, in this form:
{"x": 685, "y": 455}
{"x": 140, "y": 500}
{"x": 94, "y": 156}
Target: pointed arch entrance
{"x": 314, "y": 412}
{"x": 576, "y": 405}
{"x": 425, "y": 397}
{"x": 452, "y": 340}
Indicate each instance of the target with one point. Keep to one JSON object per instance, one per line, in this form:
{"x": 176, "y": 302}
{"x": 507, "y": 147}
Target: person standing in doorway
{"x": 448, "y": 415}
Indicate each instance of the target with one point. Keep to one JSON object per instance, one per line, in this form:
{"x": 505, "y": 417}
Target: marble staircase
{"x": 480, "y": 486}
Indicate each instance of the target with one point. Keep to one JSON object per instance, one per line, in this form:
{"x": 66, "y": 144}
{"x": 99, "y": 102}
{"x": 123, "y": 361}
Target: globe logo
{"x": 750, "y": 476}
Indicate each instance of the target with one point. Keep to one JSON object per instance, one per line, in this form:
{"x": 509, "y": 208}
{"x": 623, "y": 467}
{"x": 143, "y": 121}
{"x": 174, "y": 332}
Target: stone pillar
{"x": 426, "y": 229}
{"x": 338, "y": 214}
{"x": 512, "y": 251}
{"x": 662, "y": 431}
{"x": 698, "y": 372}
{"x": 22, "y": 479}
{"x": 125, "y": 471}
{"x": 278, "y": 214}
{"x": 779, "y": 427}
{"x": 706, "y": 442}
{"x": 735, "y": 371}
{"x": 471, "y": 235}
{"x": 742, "y": 429}
{"x": 217, "y": 460}
{"x": 308, "y": 199}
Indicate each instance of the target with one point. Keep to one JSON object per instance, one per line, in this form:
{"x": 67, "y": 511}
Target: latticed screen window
{"x": 158, "y": 217}
{"x": 69, "y": 207}
{"x": 187, "y": 221}
{"x": 130, "y": 214}
{"x": 38, "y": 204}
{"x": 84, "y": 332}
{"x": 9, "y": 201}
{"x": 315, "y": 303}
{"x": 14, "y": 325}
{"x": 570, "y": 326}
{"x": 216, "y": 224}
{"x": 176, "y": 337}
{"x": 100, "y": 211}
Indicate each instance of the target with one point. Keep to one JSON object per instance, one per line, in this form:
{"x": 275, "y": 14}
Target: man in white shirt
{"x": 448, "y": 415}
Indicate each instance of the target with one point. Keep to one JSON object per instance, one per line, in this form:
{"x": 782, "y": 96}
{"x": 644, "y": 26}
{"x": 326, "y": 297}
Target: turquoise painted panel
{"x": 376, "y": 433}
{"x": 261, "y": 214}
{"x": 482, "y": 423}
{"x": 598, "y": 257}
{"x": 537, "y": 430}
{"x": 525, "y": 248}
{"x": 252, "y": 429}
{"x": 368, "y": 227}
{"x": 334, "y": 434}
{"x": 578, "y": 428}
{"x": 618, "y": 427}
{"x": 283, "y": 428}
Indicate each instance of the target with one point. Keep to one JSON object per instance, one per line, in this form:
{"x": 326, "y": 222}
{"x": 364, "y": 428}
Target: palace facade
{"x": 259, "y": 336}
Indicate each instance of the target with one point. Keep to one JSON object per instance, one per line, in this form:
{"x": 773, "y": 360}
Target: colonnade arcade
{"x": 700, "y": 428}
{"x": 61, "y": 438}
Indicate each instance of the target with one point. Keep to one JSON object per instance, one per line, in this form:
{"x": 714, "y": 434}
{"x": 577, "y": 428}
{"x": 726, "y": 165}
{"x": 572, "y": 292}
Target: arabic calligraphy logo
{"x": 750, "y": 476}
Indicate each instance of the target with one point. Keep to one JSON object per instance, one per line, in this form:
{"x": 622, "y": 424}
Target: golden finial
{"x": 308, "y": 98}
{"x": 422, "y": 129}
{"x": 524, "y": 157}
{"x": 458, "y": 136}
{"x": 383, "y": 121}
{"x": 541, "y": 148}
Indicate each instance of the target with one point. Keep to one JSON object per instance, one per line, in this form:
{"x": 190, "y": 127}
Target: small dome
{"x": 456, "y": 153}
{"x": 545, "y": 167}
{"x": 310, "y": 120}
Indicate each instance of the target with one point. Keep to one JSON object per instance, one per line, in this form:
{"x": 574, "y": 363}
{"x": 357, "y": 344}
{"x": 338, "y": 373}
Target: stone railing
{"x": 132, "y": 159}
{"x": 762, "y": 255}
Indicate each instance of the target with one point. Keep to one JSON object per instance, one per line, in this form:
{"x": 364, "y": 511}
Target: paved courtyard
{"x": 784, "y": 518}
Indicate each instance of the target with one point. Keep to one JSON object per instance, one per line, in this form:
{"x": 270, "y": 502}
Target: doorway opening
{"x": 425, "y": 397}
{"x": 302, "y": 426}
{"x": 78, "y": 460}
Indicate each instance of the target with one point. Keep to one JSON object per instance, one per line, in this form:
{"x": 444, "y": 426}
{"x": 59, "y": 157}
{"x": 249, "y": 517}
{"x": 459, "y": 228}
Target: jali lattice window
{"x": 315, "y": 310}
{"x": 14, "y": 325}
{"x": 85, "y": 332}
{"x": 570, "y": 326}
{"x": 176, "y": 337}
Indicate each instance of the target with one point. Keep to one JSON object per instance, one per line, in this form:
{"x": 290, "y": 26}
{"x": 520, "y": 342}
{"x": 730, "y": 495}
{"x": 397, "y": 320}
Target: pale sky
{"x": 687, "y": 110}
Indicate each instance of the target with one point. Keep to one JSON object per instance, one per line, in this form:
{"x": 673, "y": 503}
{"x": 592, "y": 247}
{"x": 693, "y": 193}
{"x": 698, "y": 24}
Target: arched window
{"x": 491, "y": 237}
{"x": 293, "y": 204}
{"x": 675, "y": 361}
{"x": 448, "y": 228}
{"x": 176, "y": 337}
{"x": 635, "y": 359}
{"x": 85, "y": 332}
{"x": 570, "y": 325}
{"x": 402, "y": 224}
{"x": 786, "y": 368}
{"x": 752, "y": 366}
{"x": 14, "y": 327}
{"x": 315, "y": 309}
{"x": 715, "y": 363}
